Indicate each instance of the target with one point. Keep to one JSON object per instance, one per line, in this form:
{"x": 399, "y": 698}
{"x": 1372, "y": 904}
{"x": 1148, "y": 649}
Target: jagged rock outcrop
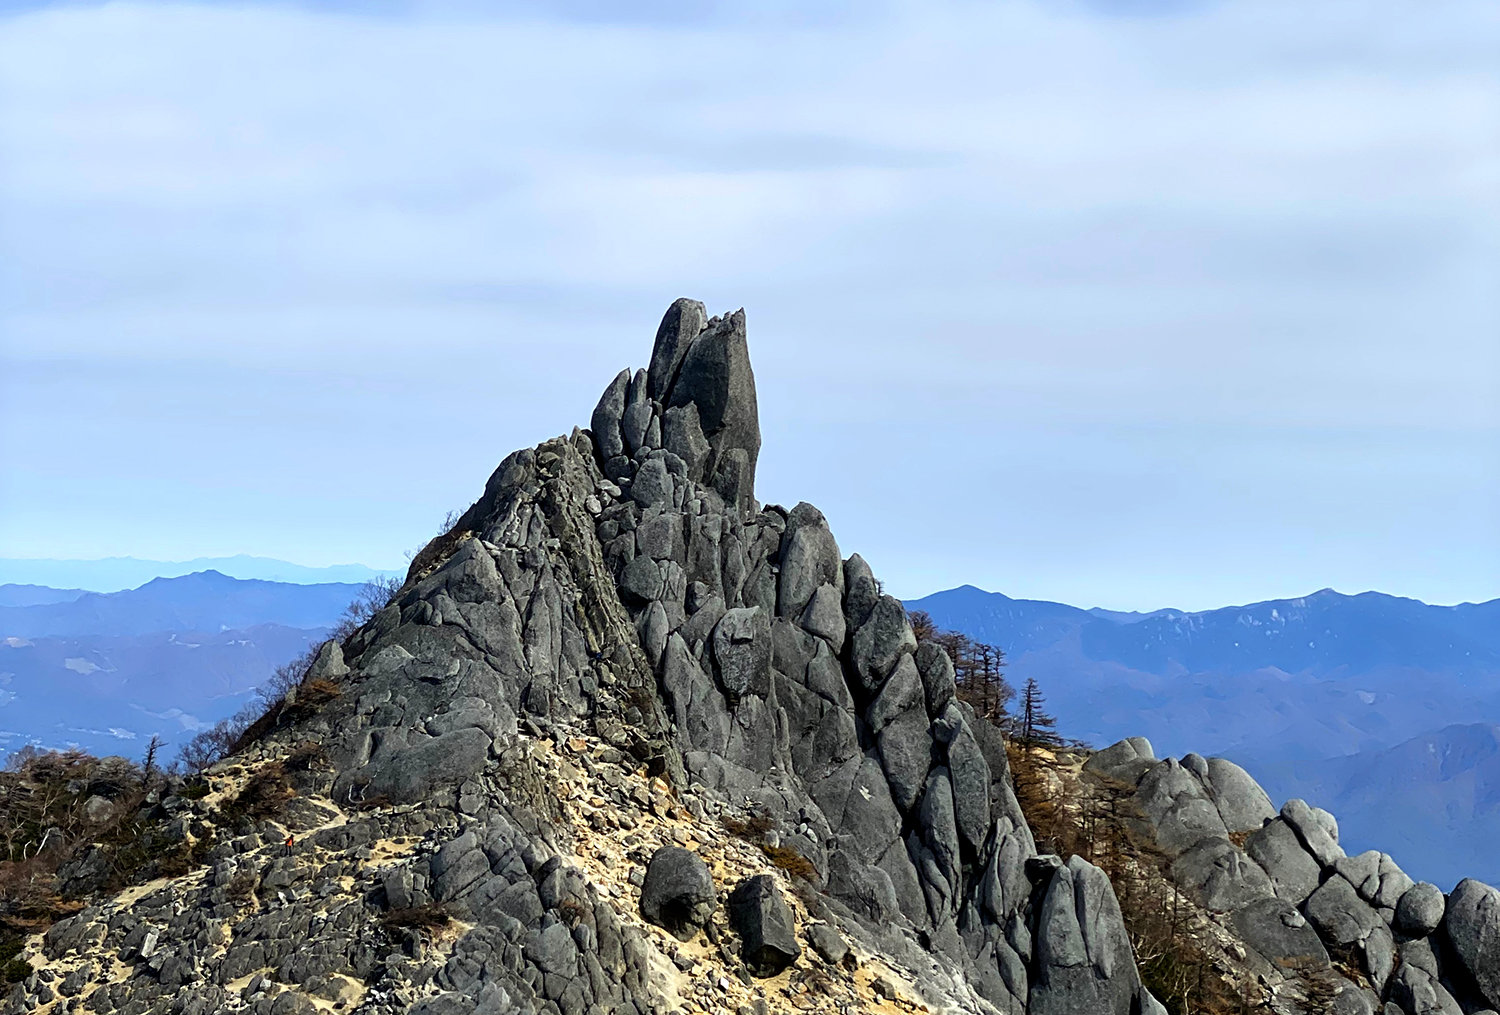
{"x": 615, "y": 654}
{"x": 1287, "y": 892}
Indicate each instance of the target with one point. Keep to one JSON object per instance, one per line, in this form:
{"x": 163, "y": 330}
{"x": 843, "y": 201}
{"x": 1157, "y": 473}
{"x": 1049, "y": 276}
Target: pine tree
{"x": 1038, "y": 728}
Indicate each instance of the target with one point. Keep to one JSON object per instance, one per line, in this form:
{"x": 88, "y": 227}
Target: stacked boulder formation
{"x": 1280, "y": 882}
{"x": 627, "y": 740}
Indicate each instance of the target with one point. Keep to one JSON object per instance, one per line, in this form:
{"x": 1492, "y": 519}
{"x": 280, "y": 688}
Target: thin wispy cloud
{"x": 1129, "y": 304}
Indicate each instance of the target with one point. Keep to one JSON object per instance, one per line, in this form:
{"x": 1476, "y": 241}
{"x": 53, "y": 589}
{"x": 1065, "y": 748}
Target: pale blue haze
{"x": 1120, "y": 304}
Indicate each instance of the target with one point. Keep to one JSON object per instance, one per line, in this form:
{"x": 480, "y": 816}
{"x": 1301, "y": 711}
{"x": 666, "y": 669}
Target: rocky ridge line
{"x": 617, "y": 651}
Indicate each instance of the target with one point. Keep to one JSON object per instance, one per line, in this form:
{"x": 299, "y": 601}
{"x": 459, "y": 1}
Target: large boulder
{"x": 1242, "y": 804}
{"x": 715, "y": 375}
{"x": 1420, "y": 910}
{"x": 742, "y": 649}
{"x": 881, "y": 640}
{"x": 1280, "y": 935}
{"x": 607, "y": 416}
{"x": 1473, "y": 926}
{"x": 1339, "y": 914}
{"x": 938, "y": 683}
{"x": 764, "y": 922}
{"x": 1083, "y": 956}
{"x": 1125, "y": 761}
{"x": 682, "y": 323}
{"x": 1179, "y": 808}
{"x": 1344, "y": 920}
{"x": 1280, "y": 853}
{"x": 1417, "y": 991}
{"x": 678, "y": 893}
{"x": 1316, "y": 828}
{"x": 809, "y": 559}
{"x": 1221, "y": 877}
{"x": 1376, "y": 877}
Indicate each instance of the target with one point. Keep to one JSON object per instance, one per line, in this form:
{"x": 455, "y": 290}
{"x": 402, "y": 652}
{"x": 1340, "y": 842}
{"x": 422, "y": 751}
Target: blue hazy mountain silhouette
{"x": 107, "y": 671}
{"x": 204, "y": 601}
{"x": 115, "y": 574}
{"x": 36, "y": 595}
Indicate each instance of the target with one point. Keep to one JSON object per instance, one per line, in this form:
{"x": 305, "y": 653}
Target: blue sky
{"x": 1123, "y": 304}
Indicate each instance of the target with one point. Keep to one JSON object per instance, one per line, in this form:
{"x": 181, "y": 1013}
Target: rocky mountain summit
{"x": 627, "y": 741}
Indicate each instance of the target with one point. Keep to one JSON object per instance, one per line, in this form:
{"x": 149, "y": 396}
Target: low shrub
{"x": 794, "y": 863}
{"x": 264, "y": 795}
{"x": 241, "y": 887}
{"x": 429, "y": 917}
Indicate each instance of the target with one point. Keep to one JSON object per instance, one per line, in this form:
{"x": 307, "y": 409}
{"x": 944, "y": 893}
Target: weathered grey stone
{"x": 940, "y": 831}
{"x": 716, "y": 376}
{"x": 867, "y": 819}
{"x": 824, "y": 616}
{"x": 682, "y": 435}
{"x": 1316, "y": 828}
{"x": 1242, "y": 804}
{"x": 652, "y": 485}
{"x": 655, "y": 632}
{"x": 678, "y": 892}
{"x": 329, "y": 664}
{"x": 1420, "y": 910}
{"x": 878, "y": 643}
{"x": 827, "y": 942}
{"x": 638, "y": 414}
{"x": 906, "y": 754}
{"x": 1376, "y": 877}
{"x": 742, "y": 650}
{"x": 682, "y": 323}
{"x": 937, "y": 677}
{"x": 863, "y": 887}
{"x": 1084, "y": 959}
{"x": 641, "y": 581}
{"x": 697, "y": 708}
{"x": 1344, "y": 920}
{"x": 1178, "y": 807}
{"x": 1417, "y": 992}
{"x": 764, "y": 922}
{"x": 861, "y": 592}
{"x": 1122, "y": 758}
{"x": 1280, "y": 853}
{"x": 809, "y": 559}
{"x": 901, "y": 694}
{"x": 971, "y": 786}
{"x": 607, "y": 416}
{"x": 424, "y": 765}
{"x": 1221, "y": 877}
{"x": 1281, "y": 935}
{"x": 659, "y": 536}
{"x": 1473, "y": 927}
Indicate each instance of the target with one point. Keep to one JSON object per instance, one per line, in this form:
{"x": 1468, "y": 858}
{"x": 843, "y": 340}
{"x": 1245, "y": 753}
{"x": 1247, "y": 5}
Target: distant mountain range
{"x": 1299, "y": 691}
{"x": 107, "y": 671}
{"x": 115, "y": 574}
{"x": 205, "y": 601}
